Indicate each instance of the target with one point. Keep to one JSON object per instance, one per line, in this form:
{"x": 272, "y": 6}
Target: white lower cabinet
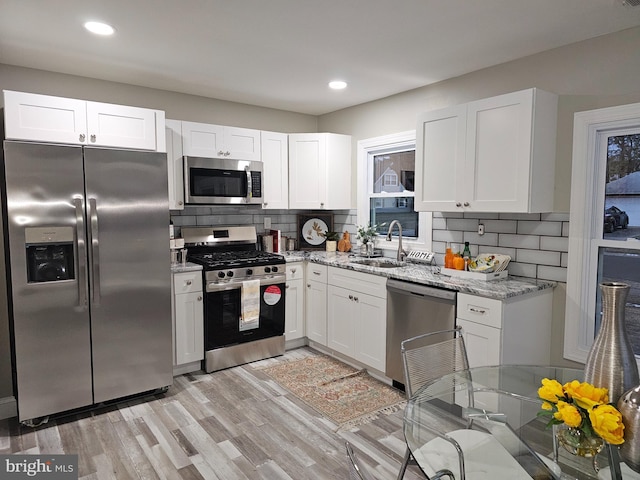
{"x": 188, "y": 316}
{"x": 294, "y": 302}
{"x": 357, "y": 316}
{"x": 316, "y": 303}
{"x": 512, "y": 331}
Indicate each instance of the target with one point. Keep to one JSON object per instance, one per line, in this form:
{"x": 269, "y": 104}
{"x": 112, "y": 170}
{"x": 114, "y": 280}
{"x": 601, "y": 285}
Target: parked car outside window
{"x": 615, "y": 218}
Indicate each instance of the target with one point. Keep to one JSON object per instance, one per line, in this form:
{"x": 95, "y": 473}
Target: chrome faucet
{"x": 401, "y": 253}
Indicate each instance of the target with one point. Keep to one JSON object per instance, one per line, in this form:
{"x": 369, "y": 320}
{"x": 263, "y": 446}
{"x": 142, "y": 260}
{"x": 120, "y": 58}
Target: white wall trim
{"x": 8, "y": 407}
{"x": 364, "y": 149}
{"x": 585, "y": 218}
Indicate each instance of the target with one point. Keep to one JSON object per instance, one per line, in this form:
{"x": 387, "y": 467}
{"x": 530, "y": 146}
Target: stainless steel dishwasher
{"x": 412, "y": 310}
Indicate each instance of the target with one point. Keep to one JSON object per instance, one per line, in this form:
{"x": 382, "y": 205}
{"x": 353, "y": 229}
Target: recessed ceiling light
{"x": 99, "y": 28}
{"x": 337, "y": 84}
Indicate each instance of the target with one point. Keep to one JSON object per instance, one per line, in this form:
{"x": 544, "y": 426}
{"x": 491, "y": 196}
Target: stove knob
{"x": 249, "y": 271}
{"x": 274, "y": 269}
{"x": 267, "y": 269}
{"x": 220, "y": 274}
{"x": 229, "y": 274}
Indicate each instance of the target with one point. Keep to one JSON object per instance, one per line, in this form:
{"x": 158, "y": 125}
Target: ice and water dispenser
{"x": 49, "y": 254}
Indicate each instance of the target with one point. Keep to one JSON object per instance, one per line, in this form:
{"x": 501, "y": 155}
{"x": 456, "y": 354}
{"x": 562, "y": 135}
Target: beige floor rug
{"x": 346, "y": 396}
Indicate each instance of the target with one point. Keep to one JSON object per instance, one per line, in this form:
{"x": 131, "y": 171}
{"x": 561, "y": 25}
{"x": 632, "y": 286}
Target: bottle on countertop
{"x": 448, "y": 257}
{"x": 458, "y": 261}
{"x": 466, "y": 255}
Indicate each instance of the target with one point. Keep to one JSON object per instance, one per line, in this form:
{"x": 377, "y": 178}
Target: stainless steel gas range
{"x": 244, "y": 307}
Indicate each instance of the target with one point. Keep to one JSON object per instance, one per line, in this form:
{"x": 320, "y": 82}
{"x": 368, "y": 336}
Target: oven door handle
{"x": 221, "y": 287}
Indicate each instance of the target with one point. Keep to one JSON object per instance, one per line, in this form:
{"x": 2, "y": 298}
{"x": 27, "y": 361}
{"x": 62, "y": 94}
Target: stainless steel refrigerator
{"x": 86, "y": 249}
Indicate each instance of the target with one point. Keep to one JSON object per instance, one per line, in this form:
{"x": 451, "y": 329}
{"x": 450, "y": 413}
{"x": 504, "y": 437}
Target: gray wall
{"x": 600, "y": 72}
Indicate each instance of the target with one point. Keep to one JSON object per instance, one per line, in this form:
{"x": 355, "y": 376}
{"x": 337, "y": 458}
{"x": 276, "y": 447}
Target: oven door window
{"x": 222, "y": 316}
{"x": 209, "y": 182}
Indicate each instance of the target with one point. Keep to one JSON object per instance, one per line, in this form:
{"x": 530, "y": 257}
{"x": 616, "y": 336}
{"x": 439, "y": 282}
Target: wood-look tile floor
{"x": 227, "y": 425}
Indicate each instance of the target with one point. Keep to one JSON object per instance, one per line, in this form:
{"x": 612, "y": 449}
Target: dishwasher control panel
{"x": 417, "y": 256}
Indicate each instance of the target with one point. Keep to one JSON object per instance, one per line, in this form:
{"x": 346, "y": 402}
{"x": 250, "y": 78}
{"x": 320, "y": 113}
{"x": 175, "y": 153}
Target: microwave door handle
{"x": 95, "y": 251}
{"x": 81, "y": 253}
{"x": 249, "y": 191}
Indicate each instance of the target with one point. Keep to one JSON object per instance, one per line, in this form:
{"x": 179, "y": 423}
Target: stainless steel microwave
{"x": 211, "y": 181}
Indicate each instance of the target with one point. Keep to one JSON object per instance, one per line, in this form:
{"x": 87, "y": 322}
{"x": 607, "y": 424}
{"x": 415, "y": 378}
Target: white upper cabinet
{"x": 217, "y": 141}
{"x": 319, "y": 171}
{"x": 35, "y": 117}
{"x": 491, "y": 155}
{"x": 173, "y": 131}
{"x": 275, "y": 175}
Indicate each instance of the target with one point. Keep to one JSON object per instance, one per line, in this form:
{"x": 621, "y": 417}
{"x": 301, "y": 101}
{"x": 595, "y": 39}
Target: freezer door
{"x": 51, "y": 328}
{"x": 130, "y": 279}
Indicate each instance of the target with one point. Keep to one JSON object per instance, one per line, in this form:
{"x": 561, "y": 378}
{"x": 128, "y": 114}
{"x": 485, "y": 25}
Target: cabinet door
{"x": 338, "y": 171}
{"x": 189, "y": 316}
{"x": 121, "y": 126}
{"x": 483, "y": 343}
{"x": 294, "y": 310}
{"x": 202, "y": 140}
{"x": 440, "y": 157}
{"x": 341, "y": 320}
{"x": 173, "y": 133}
{"x": 499, "y": 135}
{"x": 242, "y": 144}
{"x": 307, "y": 171}
{"x": 275, "y": 175}
{"x": 371, "y": 330}
{"x": 45, "y": 118}
{"x": 316, "y": 312}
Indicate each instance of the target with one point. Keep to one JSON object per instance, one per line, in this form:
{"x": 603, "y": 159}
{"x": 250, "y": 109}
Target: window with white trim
{"x": 386, "y": 171}
{"x": 604, "y": 237}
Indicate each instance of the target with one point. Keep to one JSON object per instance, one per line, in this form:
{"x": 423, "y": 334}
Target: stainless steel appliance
{"x": 231, "y": 265}
{"x": 213, "y": 181}
{"x": 414, "y": 309}
{"x": 89, "y": 278}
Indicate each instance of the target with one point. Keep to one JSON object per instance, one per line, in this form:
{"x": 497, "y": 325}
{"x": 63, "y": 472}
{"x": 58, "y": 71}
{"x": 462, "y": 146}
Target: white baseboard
{"x": 187, "y": 368}
{"x": 8, "y": 407}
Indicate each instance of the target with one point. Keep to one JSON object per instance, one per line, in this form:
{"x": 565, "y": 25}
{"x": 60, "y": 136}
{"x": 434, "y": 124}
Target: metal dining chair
{"x": 356, "y": 469}
{"x": 428, "y": 357}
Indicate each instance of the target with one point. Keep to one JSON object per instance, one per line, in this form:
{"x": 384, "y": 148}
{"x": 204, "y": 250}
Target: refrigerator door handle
{"x": 95, "y": 252}
{"x": 81, "y": 253}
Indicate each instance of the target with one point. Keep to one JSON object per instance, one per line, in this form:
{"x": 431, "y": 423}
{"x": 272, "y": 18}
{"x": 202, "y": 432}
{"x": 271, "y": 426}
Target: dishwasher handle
{"x": 408, "y": 288}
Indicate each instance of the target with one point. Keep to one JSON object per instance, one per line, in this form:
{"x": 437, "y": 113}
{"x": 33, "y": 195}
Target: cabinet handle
{"x": 316, "y": 273}
{"x": 188, "y": 282}
{"x": 308, "y": 285}
{"x": 321, "y": 204}
{"x": 180, "y": 202}
{"x": 199, "y": 298}
{"x": 355, "y": 299}
{"x": 458, "y": 204}
{"x": 93, "y": 138}
{"x": 81, "y": 137}
{"x": 220, "y": 152}
{"x": 466, "y": 204}
{"x": 265, "y": 204}
{"x": 477, "y": 310}
{"x": 350, "y": 297}
{"x": 286, "y": 286}
{"x": 227, "y": 153}
{"x": 293, "y": 270}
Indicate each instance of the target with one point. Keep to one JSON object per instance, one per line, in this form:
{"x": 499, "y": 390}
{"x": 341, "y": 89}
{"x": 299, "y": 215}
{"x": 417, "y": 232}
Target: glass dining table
{"x": 491, "y": 414}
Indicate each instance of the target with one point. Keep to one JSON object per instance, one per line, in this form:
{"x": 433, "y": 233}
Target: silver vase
{"x": 629, "y": 407}
{"x": 611, "y": 363}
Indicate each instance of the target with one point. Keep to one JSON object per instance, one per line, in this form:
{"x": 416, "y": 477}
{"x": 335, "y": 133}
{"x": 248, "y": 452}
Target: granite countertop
{"x": 427, "y": 275}
{"x": 187, "y": 267}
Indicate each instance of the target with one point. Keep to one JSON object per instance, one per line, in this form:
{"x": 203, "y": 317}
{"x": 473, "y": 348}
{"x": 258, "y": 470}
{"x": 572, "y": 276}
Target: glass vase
{"x": 611, "y": 362}
{"x": 578, "y": 443}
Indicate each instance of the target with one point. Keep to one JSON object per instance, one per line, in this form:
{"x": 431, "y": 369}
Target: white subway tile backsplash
{"x": 556, "y": 274}
{"x": 489, "y": 239}
{"x": 519, "y": 241}
{"x": 560, "y": 244}
{"x": 447, "y": 236}
{"x": 522, "y": 269}
{"x": 527, "y": 227}
{"x": 519, "y": 216}
{"x": 565, "y": 229}
{"x": 462, "y": 224}
{"x": 482, "y": 215}
{"x": 554, "y": 217}
{"x": 500, "y": 226}
{"x": 564, "y": 259}
{"x": 538, "y": 257}
{"x": 439, "y": 223}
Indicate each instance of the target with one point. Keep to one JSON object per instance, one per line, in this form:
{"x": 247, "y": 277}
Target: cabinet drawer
{"x": 486, "y": 311}
{"x": 187, "y": 282}
{"x": 295, "y": 271}
{"x": 358, "y": 281}
{"x": 316, "y": 272}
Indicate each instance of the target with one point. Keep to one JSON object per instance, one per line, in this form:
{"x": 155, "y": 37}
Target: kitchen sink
{"x": 380, "y": 263}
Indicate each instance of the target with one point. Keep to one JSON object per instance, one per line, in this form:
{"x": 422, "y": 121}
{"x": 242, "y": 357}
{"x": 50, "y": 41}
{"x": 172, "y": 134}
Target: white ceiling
{"x": 282, "y": 53}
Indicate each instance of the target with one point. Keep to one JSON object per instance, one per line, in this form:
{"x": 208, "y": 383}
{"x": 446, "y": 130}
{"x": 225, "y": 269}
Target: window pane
{"x": 622, "y": 189}
{"x": 394, "y": 172}
{"x": 621, "y": 265}
{"x": 384, "y": 210}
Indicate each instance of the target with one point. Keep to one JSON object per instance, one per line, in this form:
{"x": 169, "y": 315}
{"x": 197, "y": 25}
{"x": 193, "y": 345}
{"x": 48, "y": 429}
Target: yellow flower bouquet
{"x": 581, "y": 406}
